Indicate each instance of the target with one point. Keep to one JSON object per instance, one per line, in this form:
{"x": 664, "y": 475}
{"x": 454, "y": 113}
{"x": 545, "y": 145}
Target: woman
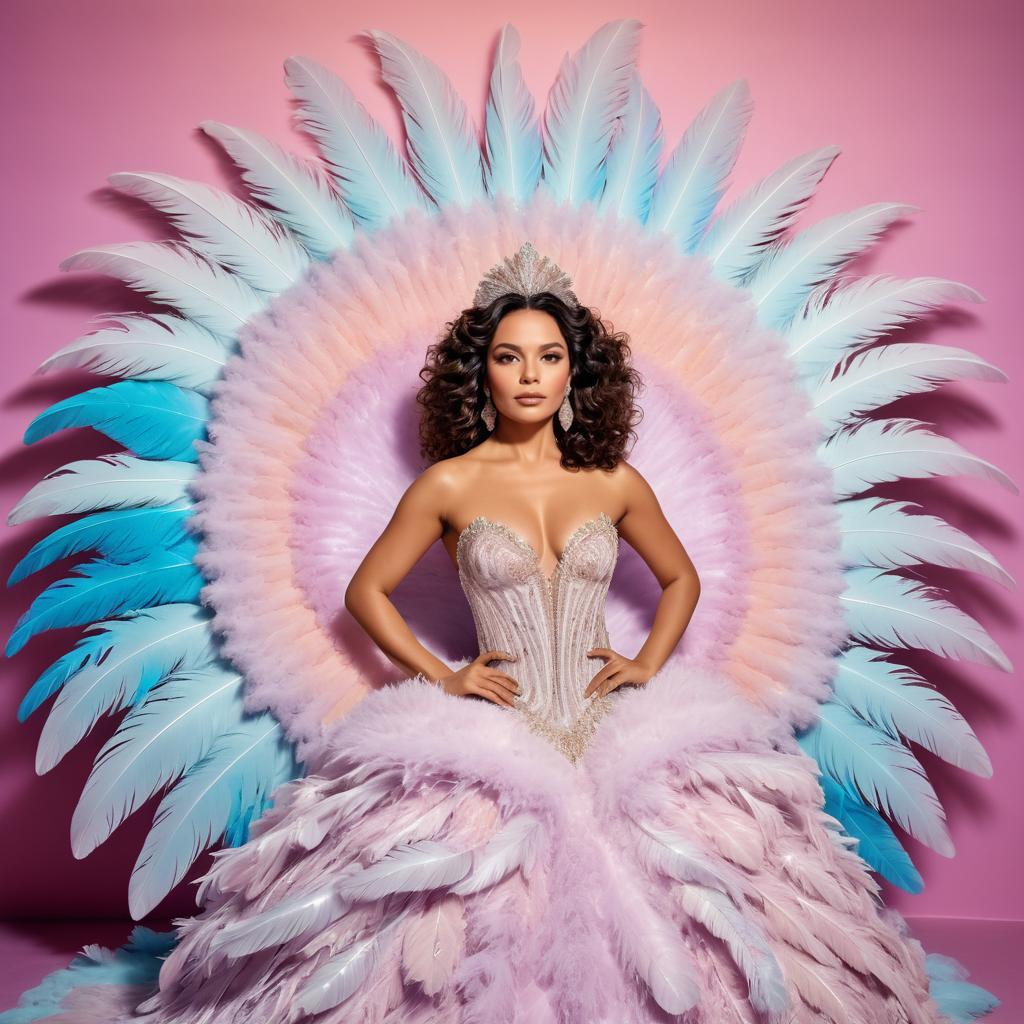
{"x": 549, "y": 831}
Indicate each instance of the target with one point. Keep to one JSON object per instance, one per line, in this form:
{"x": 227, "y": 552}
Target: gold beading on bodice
{"x": 548, "y": 622}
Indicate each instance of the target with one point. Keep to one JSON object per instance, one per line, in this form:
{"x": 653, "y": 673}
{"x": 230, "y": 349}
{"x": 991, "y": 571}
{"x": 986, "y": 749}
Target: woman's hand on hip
{"x": 478, "y": 680}
{"x": 617, "y": 671}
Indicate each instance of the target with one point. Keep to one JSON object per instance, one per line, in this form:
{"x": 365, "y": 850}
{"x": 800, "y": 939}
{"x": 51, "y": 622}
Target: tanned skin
{"x": 514, "y": 477}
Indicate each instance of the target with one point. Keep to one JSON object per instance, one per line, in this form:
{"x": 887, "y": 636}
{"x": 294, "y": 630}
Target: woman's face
{"x": 527, "y": 355}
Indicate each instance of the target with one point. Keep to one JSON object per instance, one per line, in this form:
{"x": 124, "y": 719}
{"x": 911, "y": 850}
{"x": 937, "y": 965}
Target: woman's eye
{"x": 556, "y": 356}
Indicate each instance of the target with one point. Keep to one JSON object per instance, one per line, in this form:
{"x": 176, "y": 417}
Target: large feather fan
{"x": 265, "y": 427}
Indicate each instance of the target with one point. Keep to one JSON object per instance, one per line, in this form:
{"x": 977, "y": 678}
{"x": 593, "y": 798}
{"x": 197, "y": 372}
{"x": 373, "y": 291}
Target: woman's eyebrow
{"x": 509, "y": 344}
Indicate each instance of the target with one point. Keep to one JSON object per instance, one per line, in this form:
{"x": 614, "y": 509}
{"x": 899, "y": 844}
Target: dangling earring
{"x": 565, "y": 409}
{"x": 488, "y": 412}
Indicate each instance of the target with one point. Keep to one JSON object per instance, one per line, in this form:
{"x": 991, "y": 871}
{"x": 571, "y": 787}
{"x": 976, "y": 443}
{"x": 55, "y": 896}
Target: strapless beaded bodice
{"x": 549, "y": 623}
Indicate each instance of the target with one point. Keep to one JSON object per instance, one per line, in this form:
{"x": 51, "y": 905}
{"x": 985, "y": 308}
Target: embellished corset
{"x": 549, "y": 623}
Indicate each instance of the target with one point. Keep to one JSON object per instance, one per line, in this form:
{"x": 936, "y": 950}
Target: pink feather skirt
{"x": 445, "y": 863}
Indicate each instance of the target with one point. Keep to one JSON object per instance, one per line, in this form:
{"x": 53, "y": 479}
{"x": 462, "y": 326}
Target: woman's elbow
{"x": 360, "y": 592}
{"x": 352, "y": 595}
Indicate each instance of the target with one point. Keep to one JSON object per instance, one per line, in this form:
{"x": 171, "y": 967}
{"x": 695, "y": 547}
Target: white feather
{"x": 335, "y": 810}
{"x": 872, "y": 378}
{"x": 239, "y": 236}
{"x": 695, "y": 176}
{"x": 409, "y": 867}
{"x": 298, "y": 193}
{"x": 371, "y": 177}
{"x": 583, "y": 106}
{"x": 838, "y": 317}
{"x": 147, "y": 346}
{"x": 106, "y": 482}
{"x": 291, "y": 918}
{"x": 175, "y": 275}
{"x": 665, "y": 964}
{"x": 884, "y": 533}
{"x": 441, "y": 136}
{"x": 340, "y": 977}
{"x": 736, "y": 240}
{"x": 891, "y": 611}
{"x": 513, "y": 847}
{"x": 895, "y": 698}
{"x": 512, "y": 142}
{"x": 879, "y": 451}
{"x": 678, "y": 857}
{"x": 784, "y": 278}
{"x": 747, "y": 945}
{"x": 171, "y": 730}
{"x": 730, "y": 770}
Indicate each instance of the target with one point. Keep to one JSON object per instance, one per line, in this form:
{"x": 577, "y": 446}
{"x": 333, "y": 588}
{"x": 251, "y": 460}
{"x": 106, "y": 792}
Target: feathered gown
{"x": 655, "y": 854}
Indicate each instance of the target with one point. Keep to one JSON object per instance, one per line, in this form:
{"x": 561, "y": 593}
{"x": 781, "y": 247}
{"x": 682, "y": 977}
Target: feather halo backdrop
{"x": 265, "y": 437}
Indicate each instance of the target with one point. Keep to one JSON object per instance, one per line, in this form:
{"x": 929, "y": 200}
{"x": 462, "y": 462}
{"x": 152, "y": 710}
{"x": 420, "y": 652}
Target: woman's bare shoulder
{"x": 630, "y": 483}
{"x": 439, "y": 486}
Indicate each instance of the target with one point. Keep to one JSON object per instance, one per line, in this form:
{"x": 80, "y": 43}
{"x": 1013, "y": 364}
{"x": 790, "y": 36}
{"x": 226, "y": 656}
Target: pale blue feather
{"x": 582, "y": 109}
{"x": 696, "y": 174}
{"x": 217, "y": 797}
{"x": 840, "y": 316}
{"x": 631, "y": 170}
{"x": 116, "y": 667}
{"x": 887, "y": 534}
{"x": 137, "y": 962}
{"x": 883, "y": 450}
{"x": 888, "y": 776}
{"x": 512, "y": 143}
{"x": 371, "y": 176}
{"x": 105, "y": 588}
{"x": 887, "y": 610}
{"x": 116, "y": 481}
{"x": 123, "y": 535}
{"x": 159, "y": 739}
{"x": 235, "y": 234}
{"x": 298, "y": 193}
{"x": 735, "y": 242}
{"x": 876, "y": 842}
{"x": 790, "y": 269}
{"x": 153, "y": 419}
{"x": 898, "y": 700}
{"x": 440, "y": 134}
{"x": 876, "y": 376}
{"x": 147, "y": 346}
{"x": 173, "y": 274}
{"x": 961, "y": 1001}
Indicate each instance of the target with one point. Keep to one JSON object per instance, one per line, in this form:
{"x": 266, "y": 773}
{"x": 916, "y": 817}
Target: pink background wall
{"x": 921, "y": 96}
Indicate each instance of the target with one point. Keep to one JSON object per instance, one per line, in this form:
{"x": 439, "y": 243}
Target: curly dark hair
{"x": 604, "y": 384}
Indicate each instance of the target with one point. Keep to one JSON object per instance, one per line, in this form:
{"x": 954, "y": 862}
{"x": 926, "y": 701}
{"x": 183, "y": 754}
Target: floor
{"x": 991, "y": 950}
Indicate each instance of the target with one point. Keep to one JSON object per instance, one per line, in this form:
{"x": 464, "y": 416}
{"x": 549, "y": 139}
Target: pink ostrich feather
{"x": 593, "y": 926}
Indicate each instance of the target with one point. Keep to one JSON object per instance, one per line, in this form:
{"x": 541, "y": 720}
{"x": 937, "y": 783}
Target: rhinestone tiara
{"x": 526, "y": 273}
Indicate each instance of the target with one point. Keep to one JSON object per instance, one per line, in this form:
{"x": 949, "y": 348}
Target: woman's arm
{"x": 414, "y": 526}
{"x": 646, "y": 529}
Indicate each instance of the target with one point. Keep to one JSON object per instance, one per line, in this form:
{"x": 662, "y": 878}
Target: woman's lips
{"x": 530, "y": 401}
